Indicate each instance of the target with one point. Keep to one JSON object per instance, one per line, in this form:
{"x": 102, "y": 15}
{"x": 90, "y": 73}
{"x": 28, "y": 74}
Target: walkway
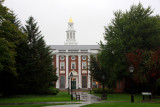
{"x": 87, "y": 99}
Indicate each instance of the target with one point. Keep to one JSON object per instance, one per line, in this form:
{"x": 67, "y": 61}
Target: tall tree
{"x": 10, "y": 37}
{"x": 129, "y": 31}
{"x": 38, "y": 73}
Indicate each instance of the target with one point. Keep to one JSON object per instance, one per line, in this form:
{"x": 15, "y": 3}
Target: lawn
{"x": 61, "y": 96}
{"x": 35, "y": 105}
{"x": 123, "y": 105}
{"x": 126, "y": 97}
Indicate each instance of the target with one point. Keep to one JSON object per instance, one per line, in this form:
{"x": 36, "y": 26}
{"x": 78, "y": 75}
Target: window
{"x": 67, "y": 35}
{"x": 73, "y": 35}
{"x": 70, "y": 35}
{"x": 73, "y": 57}
{"x": 61, "y": 57}
{"x": 84, "y": 57}
{"x": 84, "y": 65}
{"x": 62, "y": 65}
{"x": 73, "y": 65}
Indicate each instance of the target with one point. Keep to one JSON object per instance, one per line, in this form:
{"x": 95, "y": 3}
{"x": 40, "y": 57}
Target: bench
{"x": 147, "y": 94}
{"x": 77, "y": 96}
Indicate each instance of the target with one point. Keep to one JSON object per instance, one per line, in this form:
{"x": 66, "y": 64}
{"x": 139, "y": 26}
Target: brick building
{"x": 74, "y": 58}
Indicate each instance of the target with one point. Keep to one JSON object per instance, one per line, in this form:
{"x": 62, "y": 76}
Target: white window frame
{"x": 84, "y": 57}
{"x": 62, "y": 57}
{"x": 62, "y": 65}
{"x": 73, "y": 63}
{"x": 73, "y": 57}
{"x": 84, "y": 65}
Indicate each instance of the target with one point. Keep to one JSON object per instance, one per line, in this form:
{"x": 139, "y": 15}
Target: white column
{"x": 66, "y": 71}
{"x": 79, "y": 70}
{"x": 57, "y": 72}
{"x": 89, "y": 80}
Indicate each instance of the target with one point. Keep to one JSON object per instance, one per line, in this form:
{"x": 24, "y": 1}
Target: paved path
{"x": 87, "y": 99}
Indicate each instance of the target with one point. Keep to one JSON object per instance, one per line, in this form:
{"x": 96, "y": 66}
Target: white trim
{"x": 67, "y": 71}
{"x": 89, "y": 80}
{"x": 84, "y": 57}
{"x": 73, "y": 57}
{"x": 57, "y": 72}
{"x": 79, "y": 71}
{"x": 62, "y": 57}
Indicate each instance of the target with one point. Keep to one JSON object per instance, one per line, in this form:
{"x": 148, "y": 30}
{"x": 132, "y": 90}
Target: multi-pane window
{"x": 84, "y": 65}
{"x": 73, "y": 65}
{"x": 62, "y": 65}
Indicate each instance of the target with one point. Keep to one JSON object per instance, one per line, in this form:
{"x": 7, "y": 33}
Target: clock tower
{"x": 70, "y": 33}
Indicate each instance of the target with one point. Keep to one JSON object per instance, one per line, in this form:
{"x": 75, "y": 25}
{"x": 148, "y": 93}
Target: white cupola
{"x": 70, "y": 34}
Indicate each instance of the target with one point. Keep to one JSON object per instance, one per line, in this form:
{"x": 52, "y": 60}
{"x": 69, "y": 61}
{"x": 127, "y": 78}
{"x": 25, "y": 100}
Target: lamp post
{"x": 68, "y": 85}
{"x": 71, "y": 75}
{"x": 103, "y": 95}
{"x": 131, "y": 69}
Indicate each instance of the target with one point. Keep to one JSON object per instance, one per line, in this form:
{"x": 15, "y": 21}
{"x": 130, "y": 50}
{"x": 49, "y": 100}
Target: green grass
{"x": 36, "y": 105}
{"x": 123, "y": 105}
{"x": 61, "y": 96}
{"x": 125, "y": 97}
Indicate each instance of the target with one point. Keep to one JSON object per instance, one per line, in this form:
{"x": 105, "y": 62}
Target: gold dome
{"x": 70, "y": 20}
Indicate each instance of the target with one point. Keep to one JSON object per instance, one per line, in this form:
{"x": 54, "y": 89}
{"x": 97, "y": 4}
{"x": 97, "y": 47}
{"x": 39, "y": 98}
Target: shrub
{"x": 53, "y": 91}
{"x": 100, "y": 90}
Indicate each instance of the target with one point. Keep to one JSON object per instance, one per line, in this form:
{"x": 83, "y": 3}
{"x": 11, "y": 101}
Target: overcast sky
{"x": 89, "y": 16}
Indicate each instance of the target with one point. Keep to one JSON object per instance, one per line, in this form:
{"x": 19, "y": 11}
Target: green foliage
{"x": 127, "y": 32}
{"x": 100, "y": 90}
{"x": 10, "y": 37}
{"x": 25, "y": 60}
{"x": 53, "y": 91}
{"x": 34, "y": 62}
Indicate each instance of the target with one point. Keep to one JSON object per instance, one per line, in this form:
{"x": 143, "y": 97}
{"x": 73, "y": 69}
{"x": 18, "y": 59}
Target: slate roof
{"x": 74, "y": 47}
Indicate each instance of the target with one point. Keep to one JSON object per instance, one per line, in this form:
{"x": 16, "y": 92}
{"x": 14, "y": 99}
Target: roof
{"x": 74, "y": 47}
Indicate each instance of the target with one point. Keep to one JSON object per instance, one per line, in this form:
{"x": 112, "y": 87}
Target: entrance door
{"x": 73, "y": 84}
{"x": 84, "y": 81}
{"x": 62, "y": 81}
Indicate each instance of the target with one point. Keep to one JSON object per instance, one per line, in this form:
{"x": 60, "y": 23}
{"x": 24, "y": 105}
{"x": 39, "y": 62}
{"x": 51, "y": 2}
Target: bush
{"x": 49, "y": 91}
{"x": 100, "y": 90}
{"x": 53, "y": 91}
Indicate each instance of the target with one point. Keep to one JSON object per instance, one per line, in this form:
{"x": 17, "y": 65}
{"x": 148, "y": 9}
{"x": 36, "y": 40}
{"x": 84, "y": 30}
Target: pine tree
{"x": 38, "y": 73}
{"x": 10, "y": 38}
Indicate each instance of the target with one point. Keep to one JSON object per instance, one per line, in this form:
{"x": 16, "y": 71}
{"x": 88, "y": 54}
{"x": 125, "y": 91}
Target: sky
{"x": 89, "y": 16}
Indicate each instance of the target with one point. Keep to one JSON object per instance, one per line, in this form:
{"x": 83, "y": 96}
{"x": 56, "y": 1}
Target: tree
{"x": 35, "y": 70}
{"x": 98, "y": 71}
{"x": 10, "y": 37}
{"x": 129, "y": 31}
